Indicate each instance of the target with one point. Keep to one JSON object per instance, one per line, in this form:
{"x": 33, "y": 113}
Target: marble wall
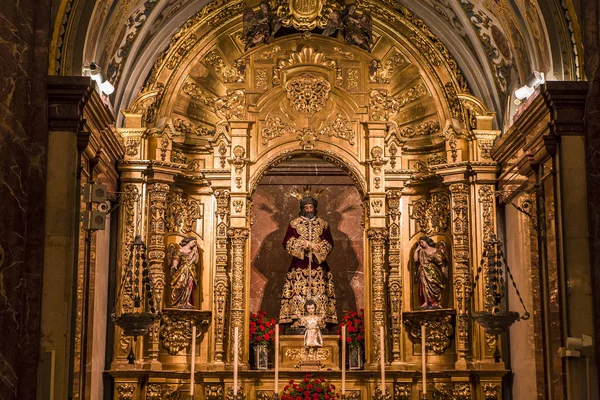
{"x": 24, "y": 42}
{"x": 591, "y": 36}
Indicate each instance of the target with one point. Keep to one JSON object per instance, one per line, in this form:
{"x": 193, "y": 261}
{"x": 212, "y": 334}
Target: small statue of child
{"x": 313, "y": 324}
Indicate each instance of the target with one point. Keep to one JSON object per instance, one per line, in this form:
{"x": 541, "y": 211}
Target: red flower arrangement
{"x": 309, "y": 388}
{"x": 355, "y": 327}
{"x": 262, "y": 329}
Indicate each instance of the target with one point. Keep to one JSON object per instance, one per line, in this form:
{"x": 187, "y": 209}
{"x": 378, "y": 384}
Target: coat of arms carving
{"x": 305, "y": 15}
{"x": 308, "y": 94}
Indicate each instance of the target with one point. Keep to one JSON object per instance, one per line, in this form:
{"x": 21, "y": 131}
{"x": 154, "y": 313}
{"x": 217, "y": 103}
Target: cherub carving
{"x": 260, "y": 26}
{"x": 356, "y": 29}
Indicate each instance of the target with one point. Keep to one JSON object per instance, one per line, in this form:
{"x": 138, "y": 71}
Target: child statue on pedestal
{"x": 312, "y": 335}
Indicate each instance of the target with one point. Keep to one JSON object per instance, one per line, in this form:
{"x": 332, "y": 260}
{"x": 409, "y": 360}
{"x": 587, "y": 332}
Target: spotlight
{"x": 524, "y": 92}
{"x": 96, "y": 74}
{"x": 535, "y": 80}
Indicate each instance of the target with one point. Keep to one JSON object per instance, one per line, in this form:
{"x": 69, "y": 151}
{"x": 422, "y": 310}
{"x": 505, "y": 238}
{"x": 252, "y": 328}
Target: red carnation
{"x": 267, "y": 336}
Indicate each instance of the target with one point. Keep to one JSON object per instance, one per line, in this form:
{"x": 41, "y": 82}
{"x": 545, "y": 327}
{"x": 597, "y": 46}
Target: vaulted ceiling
{"x": 496, "y": 43}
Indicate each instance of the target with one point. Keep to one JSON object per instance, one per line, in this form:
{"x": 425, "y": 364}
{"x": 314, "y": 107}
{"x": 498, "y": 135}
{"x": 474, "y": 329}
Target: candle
{"x": 193, "y": 361}
{"x": 235, "y": 361}
{"x": 343, "y": 360}
{"x": 382, "y": 359}
{"x": 424, "y": 360}
{"x": 276, "y": 359}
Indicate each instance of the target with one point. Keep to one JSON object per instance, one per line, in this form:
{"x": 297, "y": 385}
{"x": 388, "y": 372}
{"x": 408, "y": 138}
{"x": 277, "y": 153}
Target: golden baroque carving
{"x": 377, "y": 205}
{"x": 382, "y": 72}
{"x": 184, "y": 127}
{"x": 182, "y": 213}
{"x": 298, "y": 354}
{"x": 439, "y": 328}
{"x": 308, "y": 94}
{"x": 402, "y": 391}
{"x": 353, "y": 79}
{"x": 450, "y": 136}
{"x": 486, "y": 199}
{"x": 126, "y": 391}
{"x": 175, "y": 333}
{"x": 213, "y": 391}
{"x": 132, "y": 145}
{"x": 240, "y": 394}
{"x": 307, "y": 55}
{"x": 261, "y": 79}
{"x": 462, "y": 391}
{"x": 238, "y": 205}
{"x": 432, "y": 215}
{"x": 239, "y": 159}
{"x": 383, "y": 106}
{"x": 305, "y": 15}
{"x": 377, "y": 238}
{"x": 308, "y": 138}
{"x": 232, "y": 106}
{"x": 275, "y": 127}
{"x": 235, "y": 74}
{"x": 341, "y": 129}
{"x": 157, "y": 391}
{"x": 376, "y": 161}
{"x": 491, "y": 391}
{"x": 345, "y": 54}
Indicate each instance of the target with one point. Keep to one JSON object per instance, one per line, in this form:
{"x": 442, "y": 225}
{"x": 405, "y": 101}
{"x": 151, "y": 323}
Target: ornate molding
{"x": 491, "y": 391}
{"x": 440, "y": 328}
{"x": 241, "y": 395}
{"x": 377, "y": 238}
{"x": 182, "y": 213}
{"x": 221, "y": 281}
{"x": 213, "y": 391}
{"x": 305, "y": 15}
{"x": 307, "y": 94}
{"x": 232, "y": 106}
{"x": 402, "y": 391}
{"x": 125, "y": 391}
{"x": 176, "y": 327}
{"x": 156, "y": 391}
{"x": 433, "y": 215}
{"x": 238, "y": 237}
{"x": 235, "y": 74}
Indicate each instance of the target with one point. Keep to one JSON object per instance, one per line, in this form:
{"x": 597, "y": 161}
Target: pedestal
{"x": 291, "y": 353}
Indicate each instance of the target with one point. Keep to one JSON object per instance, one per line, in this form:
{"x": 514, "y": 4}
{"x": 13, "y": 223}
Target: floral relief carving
{"x": 261, "y": 79}
{"x": 238, "y": 205}
{"x": 353, "y": 79}
{"x": 377, "y": 205}
{"x": 432, "y": 215}
{"x": 402, "y": 391}
{"x": 341, "y": 129}
{"x": 126, "y": 391}
{"x": 161, "y": 392}
{"x": 275, "y": 127}
{"x": 376, "y": 161}
{"x": 491, "y": 391}
{"x": 308, "y": 94}
{"x": 232, "y": 106}
{"x": 213, "y": 391}
{"x": 239, "y": 159}
{"x": 235, "y": 74}
{"x": 308, "y": 138}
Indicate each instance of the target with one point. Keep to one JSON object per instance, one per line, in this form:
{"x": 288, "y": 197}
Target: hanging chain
{"x": 526, "y": 315}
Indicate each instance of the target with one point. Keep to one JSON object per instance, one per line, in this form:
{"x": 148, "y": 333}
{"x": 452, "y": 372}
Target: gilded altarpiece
{"x": 214, "y": 120}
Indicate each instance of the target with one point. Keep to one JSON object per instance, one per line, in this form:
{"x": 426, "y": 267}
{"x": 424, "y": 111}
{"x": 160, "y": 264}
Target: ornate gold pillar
{"x": 461, "y": 270}
{"x": 221, "y": 283}
{"x": 157, "y": 196}
{"x": 238, "y": 238}
{"x": 377, "y": 239}
{"x": 377, "y": 232}
{"x": 395, "y": 278}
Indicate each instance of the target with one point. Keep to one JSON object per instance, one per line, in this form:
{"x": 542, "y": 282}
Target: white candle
{"x": 343, "y": 360}
{"x": 276, "y": 358}
{"x": 382, "y": 359}
{"x": 193, "y": 361}
{"x": 235, "y": 361}
{"x": 424, "y": 360}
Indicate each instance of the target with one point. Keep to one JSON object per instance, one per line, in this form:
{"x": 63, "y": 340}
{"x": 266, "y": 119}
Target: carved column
{"x": 487, "y": 215}
{"x": 238, "y": 238}
{"x": 377, "y": 238}
{"x": 460, "y": 269}
{"x": 157, "y": 196}
{"x": 221, "y": 283}
{"x": 395, "y": 280}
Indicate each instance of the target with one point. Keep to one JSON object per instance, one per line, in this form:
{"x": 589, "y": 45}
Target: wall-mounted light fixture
{"x": 96, "y": 74}
{"x": 533, "y": 82}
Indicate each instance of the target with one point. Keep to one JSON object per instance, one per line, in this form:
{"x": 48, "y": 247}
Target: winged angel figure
{"x": 356, "y": 29}
{"x": 431, "y": 272}
{"x": 260, "y": 26}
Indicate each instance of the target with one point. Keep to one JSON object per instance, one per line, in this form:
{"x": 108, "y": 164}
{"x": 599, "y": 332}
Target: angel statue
{"x": 259, "y": 26}
{"x": 182, "y": 261}
{"x": 357, "y": 30}
{"x": 431, "y": 271}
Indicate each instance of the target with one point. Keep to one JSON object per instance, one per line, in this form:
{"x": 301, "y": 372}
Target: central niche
{"x": 273, "y": 207}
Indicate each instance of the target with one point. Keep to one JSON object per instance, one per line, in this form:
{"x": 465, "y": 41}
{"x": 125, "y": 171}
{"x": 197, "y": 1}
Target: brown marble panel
{"x": 272, "y": 210}
{"x": 24, "y": 40}
{"x": 591, "y": 37}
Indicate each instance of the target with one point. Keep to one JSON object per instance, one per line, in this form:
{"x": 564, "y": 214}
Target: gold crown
{"x": 306, "y": 192}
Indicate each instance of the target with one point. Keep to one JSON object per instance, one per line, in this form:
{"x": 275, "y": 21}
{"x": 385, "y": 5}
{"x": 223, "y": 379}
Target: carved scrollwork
{"x": 156, "y": 391}
{"x": 235, "y": 74}
{"x": 462, "y": 391}
{"x": 376, "y": 161}
{"x": 126, "y": 391}
{"x": 232, "y": 106}
{"x": 239, "y": 159}
{"x": 376, "y": 205}
{"x": 402, "y": 391}
{"x": 298, "y": 354}
{"x": 450, "y": 136}
{"x": 213, "y": 391}
{"x": 383, "y": 106}
{"x": 440, "y": 328}
{"x": 308, "y": 94}
{"x": 491, "y": 391}
{"x": 275, "y": 127}
{"x": 340, "y": 128}
{"x": 240, "y": 394}
{"x": 176, "y": 327}
{"x": 182, "y": 213}
{"x": 432, "y": 215}
{"x": 308, "y": 138}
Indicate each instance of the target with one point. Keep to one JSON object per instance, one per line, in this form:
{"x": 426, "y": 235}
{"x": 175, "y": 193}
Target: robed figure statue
{"x": 182, "y": 260}
{"x": 308, "y": 240}
{"x": 431, "y": 272}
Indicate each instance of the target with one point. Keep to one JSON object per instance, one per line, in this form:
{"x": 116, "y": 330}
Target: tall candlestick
{"x": 193, "y": 362}
{"x": 424, "y": 360}
{"x": 343, "y": 360}
{"x": 235, "y": 362}
{"x": 276, "y": 359}
{"x": 382, "y": 359}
